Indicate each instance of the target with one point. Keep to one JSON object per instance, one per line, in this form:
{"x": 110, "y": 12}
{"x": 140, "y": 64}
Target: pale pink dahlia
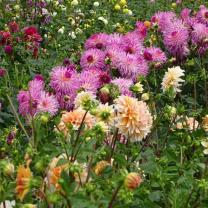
{"x": 93, "y": 59}
{"x": 61, "y": 79}
{"x": 47, "y": 103}
{"x": 133, "y": 118}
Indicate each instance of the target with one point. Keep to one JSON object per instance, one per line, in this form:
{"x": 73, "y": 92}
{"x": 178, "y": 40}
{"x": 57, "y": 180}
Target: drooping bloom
{"x": 133, "y": 118}
{"x": 173, "y": 79}
{"x": 123, "y": 85}
{"x": 23, "y": 179}
{"x": 47, "y": 103}
{"x": 132, "y": 180}
{"x": 93, "y": 59}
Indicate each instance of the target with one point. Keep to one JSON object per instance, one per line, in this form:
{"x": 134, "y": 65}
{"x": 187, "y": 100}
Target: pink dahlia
{"x": 62, "y": 79}
{"x": 47, "y": 103}
{"x": 200, "y": 37}
{"x": 163, "y": 19}
{"x": 131, "y": 43}
{"x": 176, "y": 38}
{"x": 89, "y": 80}
{"x": 202, "y": 15}
{"x": 154, "y": 54}
{"x": 97, "y": 41}
{"x": 141, "y": 30}
{"x": 123, "y": 85}
{"x": 131, "y": 66}
{"x": 93, "y": 59}
{"x": 114, "y": 39}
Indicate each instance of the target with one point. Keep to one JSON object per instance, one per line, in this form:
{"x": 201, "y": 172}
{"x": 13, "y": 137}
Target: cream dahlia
{"x": 173, "y": 79}
{"x": 133, "y": 118}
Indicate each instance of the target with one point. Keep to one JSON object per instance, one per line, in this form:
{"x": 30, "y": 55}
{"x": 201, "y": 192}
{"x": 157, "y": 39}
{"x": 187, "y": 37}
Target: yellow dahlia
{"x": 133, "y": 118}
{"x": 23, "y": 179}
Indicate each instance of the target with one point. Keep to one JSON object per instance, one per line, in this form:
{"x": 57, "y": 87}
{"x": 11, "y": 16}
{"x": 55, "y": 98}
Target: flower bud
{"x": 44, "y": 118}
{"x": 96, "y": 4}
{"x": 8, "y": 168}
{"x": 145, "y": 96}
{"x": 117, "y": 7}
{"x": 123, "y": 3}
{"x": 2, "y": 72}
{"x": 132, "y": 181}
{"x": 8, "y": 49}
{"x": 100, "y": 166}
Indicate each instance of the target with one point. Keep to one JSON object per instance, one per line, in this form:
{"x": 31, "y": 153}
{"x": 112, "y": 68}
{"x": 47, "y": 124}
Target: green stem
{"x": 17, "y": 117}
{"x": 115, "y": 193}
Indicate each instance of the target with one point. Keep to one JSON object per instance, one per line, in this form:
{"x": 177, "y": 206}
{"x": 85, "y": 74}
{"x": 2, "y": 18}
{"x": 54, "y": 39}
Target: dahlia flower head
{"x": 202, "y": 15}
{"x": 173, "y": 79}
{"x": 154, "y": 54}
{"x": 176, "y": 37}
{"x": 123, "y": 85}
{"x": 133, "y": 119}
{"x": 36, "y": 100}
{"x": 200, "y": 37}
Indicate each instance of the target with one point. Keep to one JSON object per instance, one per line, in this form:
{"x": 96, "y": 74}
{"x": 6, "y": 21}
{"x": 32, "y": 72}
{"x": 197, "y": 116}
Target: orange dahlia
{"x": 132, "y": 181}
{"x": 23, "y": 179}
{"x": 133, "y": 118}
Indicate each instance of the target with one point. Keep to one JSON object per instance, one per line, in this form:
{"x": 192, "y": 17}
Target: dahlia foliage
{"x": 122, "y": 122}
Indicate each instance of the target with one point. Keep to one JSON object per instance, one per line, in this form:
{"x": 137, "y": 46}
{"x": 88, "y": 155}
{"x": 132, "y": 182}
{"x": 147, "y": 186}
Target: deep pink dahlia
{"x": 62, "y": 78}
{"x": 154, "y": 54}
{"x": 93, "y": 59}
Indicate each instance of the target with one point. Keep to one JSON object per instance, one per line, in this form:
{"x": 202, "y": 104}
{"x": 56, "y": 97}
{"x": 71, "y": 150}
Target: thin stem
{"x": 114, "y": 196}
{"x": 17, "y": 117}
{"x": 113, "y": 144}
{"x": 4, "y": 204}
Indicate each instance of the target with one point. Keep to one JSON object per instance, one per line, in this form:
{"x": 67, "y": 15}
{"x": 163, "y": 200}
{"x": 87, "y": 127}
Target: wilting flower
{"x": 133, "y": 118}
{"x": 132, "y": 181}
{"x": 205, "y": 145}
{"x": 187, "y": 122}
{"x": 100, "y": 166}
{"x": 173, "y": 79}
{"x": 23, "y": 179}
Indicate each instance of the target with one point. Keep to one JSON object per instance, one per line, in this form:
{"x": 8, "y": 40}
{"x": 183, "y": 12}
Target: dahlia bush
{"x": 103, "y": 104}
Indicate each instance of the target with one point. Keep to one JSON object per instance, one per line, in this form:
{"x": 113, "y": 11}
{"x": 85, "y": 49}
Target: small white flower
{"x": 96, "y": 4}
{"x": 72, "y": 35}
{"x": 54, "y": 14}
{"x": 74, "y": 3}
{"x": 105, "y": 21}
{"x": 61, "y": 30}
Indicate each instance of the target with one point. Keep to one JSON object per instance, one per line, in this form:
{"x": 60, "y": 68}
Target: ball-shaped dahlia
{"x": 133, "y": 118}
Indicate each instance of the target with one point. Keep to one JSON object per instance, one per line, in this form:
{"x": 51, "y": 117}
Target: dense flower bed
{"x": 119, "y": 122}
